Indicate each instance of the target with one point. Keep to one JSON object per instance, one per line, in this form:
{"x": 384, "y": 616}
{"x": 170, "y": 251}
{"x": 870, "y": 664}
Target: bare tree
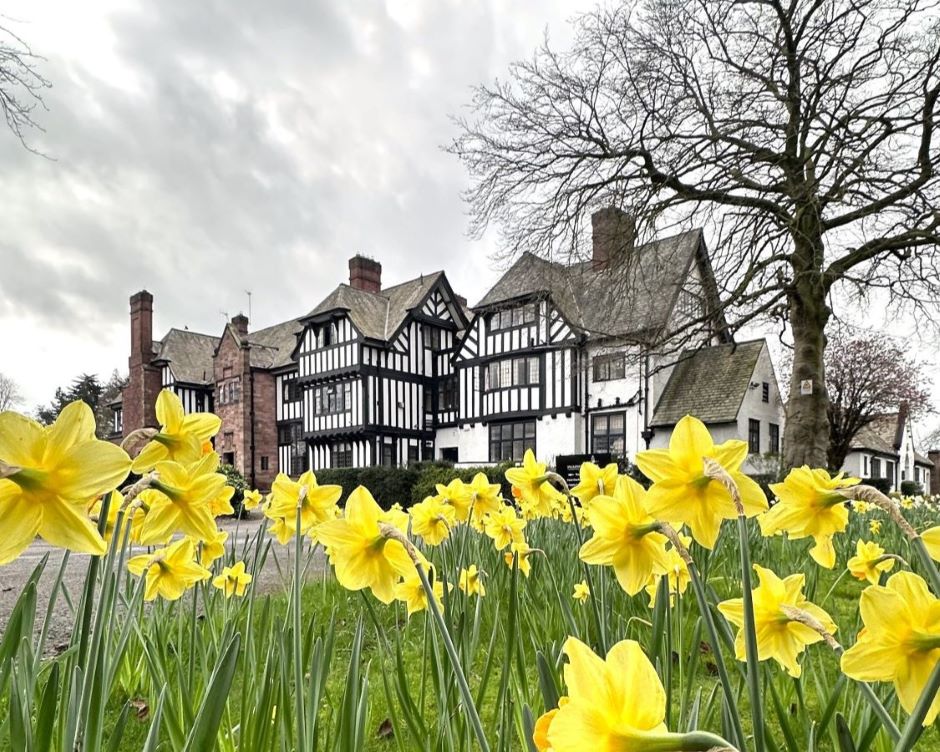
{"x": 869, "y": 374}
{"x": 10, "y": 396}
{"x": 21, "y": 83}
{"x": 803, "y": 132}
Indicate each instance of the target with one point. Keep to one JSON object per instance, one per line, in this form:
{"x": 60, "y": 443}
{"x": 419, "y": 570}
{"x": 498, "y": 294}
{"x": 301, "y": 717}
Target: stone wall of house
{"x": 143, "y": 385}
{"x": 265, "y": 436}
{"x": 232, "y": 376}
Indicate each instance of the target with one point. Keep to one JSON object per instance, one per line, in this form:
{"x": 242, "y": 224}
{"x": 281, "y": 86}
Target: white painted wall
{"x": 558, "y": 435}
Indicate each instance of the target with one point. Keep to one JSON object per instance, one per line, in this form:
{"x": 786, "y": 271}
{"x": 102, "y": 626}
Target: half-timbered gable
{"x": 562, "y": 358}
{"x": 185, "y": 362}
{"x": 375, "y": 368}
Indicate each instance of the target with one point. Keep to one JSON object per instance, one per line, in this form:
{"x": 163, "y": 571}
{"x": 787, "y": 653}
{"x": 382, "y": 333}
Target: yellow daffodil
{"x": 282, "y": 531}
{"x": 504, "y": 526}
{"x": 906, "y": 502}
{"x": 874, "y": 527}
{"x": 471, "y": 582}
{"x": 457, "y": 495}
{"x": 519, "y": 550}
{"x": 233, "y": 580}
{"x": 677, "y": 572}
{"x": 170, "y": 571}
{"x": 114, "y": 509}
{"x": 900, "y": 641}
{"x": 484, "y": 499}
{"x": 180, "y": 500}
{"x": 613, "y": 704}
{"x": 433, "y": 519}
{"x": 581, "y": 591}
{"x": 364, "y": 557}
{"x": 625, "y": 537}
{"x": 861, "y": 506}
{"x": 810, "y": 506}
{"x": 251, "y": 499}
{"x": 869, "y": 562}
{"x": 535, "y": 494}
{"x": 681, "y": 492}
{"x": 778, "y": 635}
{"x": 221, "y": 503}
{"x": 48, "y": 476}
{"x": 412, "y": 593}
{"x": 396, "y": 517}
{"x": 182, "y": 438}
{"x": 318, "y": 504}
{"x": 595, "y": 481}
{"x": 931, "y": 539}
{"x": 212, "y": 548}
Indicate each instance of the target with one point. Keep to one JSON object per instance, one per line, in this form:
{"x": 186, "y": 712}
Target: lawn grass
{"x": 544, "y": 613}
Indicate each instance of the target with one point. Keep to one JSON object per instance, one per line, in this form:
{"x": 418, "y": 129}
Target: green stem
{"x": 723, "y": 678}
{"x": 750, "y": 638}
{"x": 598, "y": 622}
{"x": 462, "y": 684}
{"x": 915, "y": 724}
{"x": 90, "y": 578}
{"x": 298, "y": 658}
{"x": 694, "y": 741}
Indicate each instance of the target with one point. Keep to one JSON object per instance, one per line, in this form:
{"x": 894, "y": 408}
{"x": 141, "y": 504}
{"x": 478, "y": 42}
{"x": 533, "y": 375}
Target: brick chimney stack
{"x": 240, "y": 324}
{"x": 365, "y": 274}
{"x": 143, "y": 385}
{"x": 613, "y": 234}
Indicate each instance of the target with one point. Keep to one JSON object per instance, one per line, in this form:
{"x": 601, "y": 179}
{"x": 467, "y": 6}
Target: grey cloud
{"x": 330, "y": 147}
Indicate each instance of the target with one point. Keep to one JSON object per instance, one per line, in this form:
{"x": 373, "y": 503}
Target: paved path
{"x": 14, "y": 575}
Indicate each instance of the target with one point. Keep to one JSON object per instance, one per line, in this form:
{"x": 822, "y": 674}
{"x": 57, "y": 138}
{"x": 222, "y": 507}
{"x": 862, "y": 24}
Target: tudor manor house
{"x": 561, "y": 359}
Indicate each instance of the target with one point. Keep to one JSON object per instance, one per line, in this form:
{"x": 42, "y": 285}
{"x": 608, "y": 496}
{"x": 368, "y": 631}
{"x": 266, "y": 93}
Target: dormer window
{"x": 326, "y": 335}
{"x": 513, "y": 317}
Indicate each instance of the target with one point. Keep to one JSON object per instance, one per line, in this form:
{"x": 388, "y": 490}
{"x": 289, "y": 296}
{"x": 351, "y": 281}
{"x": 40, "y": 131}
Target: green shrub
{"x": 432, "y": 473}
{"x": 911, "y": 488}
{"x": 237, "y": 481}
{"x": 388, "y": 485}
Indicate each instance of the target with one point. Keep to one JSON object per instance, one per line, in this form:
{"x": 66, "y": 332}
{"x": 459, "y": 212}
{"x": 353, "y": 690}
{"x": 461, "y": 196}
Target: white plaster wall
{"x": 472, "y": 442}
{"x": 753, "y": 406}
{"x": 855, "y": 465}
{"x": 558, "y": 435}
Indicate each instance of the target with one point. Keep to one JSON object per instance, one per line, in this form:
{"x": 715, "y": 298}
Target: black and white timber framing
{"x": 368, "y": 398}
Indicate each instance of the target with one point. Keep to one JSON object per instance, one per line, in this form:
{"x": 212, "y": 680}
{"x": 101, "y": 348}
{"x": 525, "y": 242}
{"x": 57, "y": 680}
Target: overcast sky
{"x": 202, "y": 149}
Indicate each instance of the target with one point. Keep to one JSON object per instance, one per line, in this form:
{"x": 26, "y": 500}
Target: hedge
{"x": 407, "y": 485}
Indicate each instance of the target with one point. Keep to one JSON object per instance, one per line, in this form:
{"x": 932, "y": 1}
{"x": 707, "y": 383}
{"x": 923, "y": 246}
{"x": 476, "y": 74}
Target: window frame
{"x": 607, "y": 433}
{"x": 753, "y": 436}
{"x": 601, "y": 367}
{"x": 765, "y": 392}
{"x": 519, "y": 371}
{"x": 521, "y": 432}
{"x": 773, "y": 438}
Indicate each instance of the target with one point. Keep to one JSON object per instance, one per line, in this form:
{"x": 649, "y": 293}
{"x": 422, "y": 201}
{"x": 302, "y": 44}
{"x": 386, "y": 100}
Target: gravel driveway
{"x": 14, "y": 575}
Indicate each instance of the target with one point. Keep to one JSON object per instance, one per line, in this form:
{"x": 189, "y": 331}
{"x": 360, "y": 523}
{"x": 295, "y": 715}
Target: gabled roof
{"x": 272, "y": 347}
{"x": 189, "y": 354}
{"x": 631, "y": 297}
{"x": 883, "y": 434}
{"x": 709, "y": 384}
{"x": 377, "y": 315}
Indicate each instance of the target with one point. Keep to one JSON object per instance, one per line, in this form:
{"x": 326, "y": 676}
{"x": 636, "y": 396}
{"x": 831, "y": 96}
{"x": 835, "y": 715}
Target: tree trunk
{"x": 806, "y": 436}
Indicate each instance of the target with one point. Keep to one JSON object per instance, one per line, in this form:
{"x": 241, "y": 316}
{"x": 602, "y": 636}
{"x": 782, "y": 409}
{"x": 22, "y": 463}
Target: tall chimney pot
{"x": 613, "y": 234}
{"x": 365, "y": 274}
